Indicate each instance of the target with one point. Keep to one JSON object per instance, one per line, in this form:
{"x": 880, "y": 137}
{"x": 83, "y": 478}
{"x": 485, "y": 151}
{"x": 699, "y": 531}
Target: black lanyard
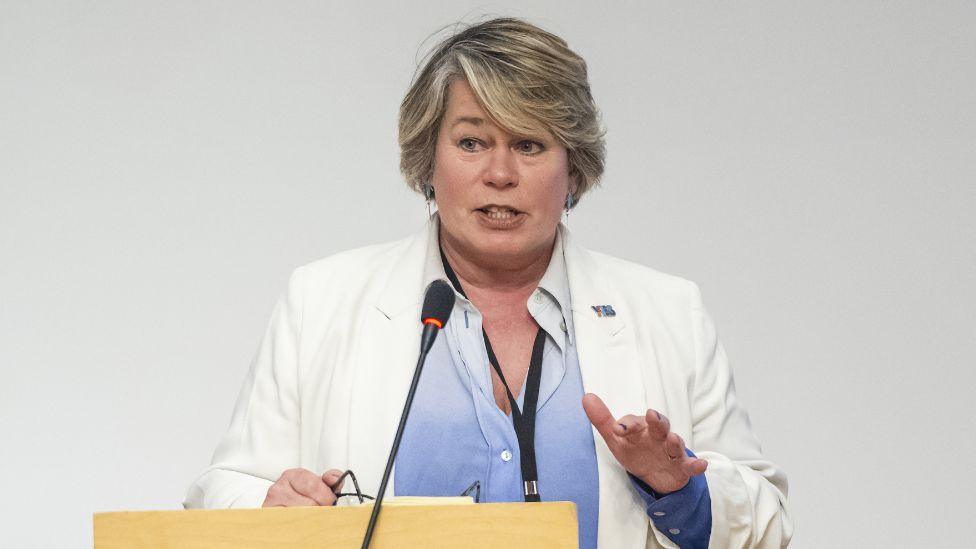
{"x": 524, "y": 421}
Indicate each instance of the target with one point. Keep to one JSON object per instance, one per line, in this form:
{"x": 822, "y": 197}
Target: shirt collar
{"x": 555, "y": 281}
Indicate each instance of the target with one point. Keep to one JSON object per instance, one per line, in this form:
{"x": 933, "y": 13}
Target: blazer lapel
{"x": 385, "y": 361}
{"x": 611, "y": 369}
{"x": 606, "y": 347}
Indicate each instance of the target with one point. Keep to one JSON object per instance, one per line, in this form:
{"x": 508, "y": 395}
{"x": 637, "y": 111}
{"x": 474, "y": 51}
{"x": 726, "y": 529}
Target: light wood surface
{"x": 494, "y": 525}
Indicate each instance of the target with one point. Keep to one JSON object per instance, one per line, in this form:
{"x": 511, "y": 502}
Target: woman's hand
{"x": 301, "y": 487}
{"x": 645, "y": 446}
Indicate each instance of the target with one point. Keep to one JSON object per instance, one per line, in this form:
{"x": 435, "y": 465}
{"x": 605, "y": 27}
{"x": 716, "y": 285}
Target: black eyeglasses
{"x": 475, "y": 487}
{"x": 355, "y": 483}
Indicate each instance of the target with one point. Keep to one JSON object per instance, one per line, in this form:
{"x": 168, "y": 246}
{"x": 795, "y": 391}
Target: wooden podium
{"x": 488, "y": 525}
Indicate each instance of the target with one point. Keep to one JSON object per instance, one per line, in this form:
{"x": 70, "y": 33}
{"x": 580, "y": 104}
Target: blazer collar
{"x": 588, "y": 284}
{"x": 404, "y": 289}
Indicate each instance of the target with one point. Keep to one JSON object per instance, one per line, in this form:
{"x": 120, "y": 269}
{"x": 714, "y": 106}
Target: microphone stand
{"x": 427, "y": 341}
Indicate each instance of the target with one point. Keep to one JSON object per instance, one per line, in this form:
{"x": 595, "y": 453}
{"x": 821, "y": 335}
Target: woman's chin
{"x": 497, "y": 240}
{"x": 504, "y": 246}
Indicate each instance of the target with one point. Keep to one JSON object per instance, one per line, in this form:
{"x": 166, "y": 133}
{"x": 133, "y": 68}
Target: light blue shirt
{"x": 456, "y": 434}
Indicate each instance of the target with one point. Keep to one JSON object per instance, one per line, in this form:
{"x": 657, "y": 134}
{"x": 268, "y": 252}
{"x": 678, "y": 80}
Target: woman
{"x": 500, "y": 130}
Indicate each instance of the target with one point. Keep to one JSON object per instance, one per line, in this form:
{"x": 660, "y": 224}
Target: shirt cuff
{"x": 683, "y": 516}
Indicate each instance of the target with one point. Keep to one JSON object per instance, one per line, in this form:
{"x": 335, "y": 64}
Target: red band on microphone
{"x": 434, "y": 321}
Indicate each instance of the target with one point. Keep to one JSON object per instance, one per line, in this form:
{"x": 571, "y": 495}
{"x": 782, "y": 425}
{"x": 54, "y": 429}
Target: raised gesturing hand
{"x": 645, "y": 446}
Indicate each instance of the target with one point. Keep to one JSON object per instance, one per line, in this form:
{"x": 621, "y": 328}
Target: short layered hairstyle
{"x": 525, "y": 78}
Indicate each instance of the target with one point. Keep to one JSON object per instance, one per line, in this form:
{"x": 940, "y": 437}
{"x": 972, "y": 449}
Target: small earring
{"x": 569, "y": 205}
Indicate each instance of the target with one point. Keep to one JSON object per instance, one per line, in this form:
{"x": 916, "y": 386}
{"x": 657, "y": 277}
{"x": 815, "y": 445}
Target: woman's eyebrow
{"x": 474, "y": 120}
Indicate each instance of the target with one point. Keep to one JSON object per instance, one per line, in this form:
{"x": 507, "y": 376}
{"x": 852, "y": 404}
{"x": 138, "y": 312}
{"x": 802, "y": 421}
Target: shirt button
{"x": 674, "y": 531}
{"x": 538, "y": 296}
{"x": 506, "y": 456}
{"x": 658, "y": 513}
{"x": 562, "y": 325}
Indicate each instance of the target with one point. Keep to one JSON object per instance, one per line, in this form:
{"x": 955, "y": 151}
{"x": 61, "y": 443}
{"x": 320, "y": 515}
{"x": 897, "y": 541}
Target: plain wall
{"x": 165, "y": 165}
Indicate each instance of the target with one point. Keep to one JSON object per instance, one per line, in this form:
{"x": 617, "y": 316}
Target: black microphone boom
{"x": 438, "y": 304}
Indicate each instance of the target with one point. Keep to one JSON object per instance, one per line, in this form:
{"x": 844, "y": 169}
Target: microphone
{"x": 438, "y": 304}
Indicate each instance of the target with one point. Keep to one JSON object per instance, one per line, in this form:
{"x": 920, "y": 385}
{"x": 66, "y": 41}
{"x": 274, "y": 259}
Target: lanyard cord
{"x": 524, "y": 420}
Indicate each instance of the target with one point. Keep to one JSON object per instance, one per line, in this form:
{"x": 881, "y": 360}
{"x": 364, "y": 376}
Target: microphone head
{"x": 438, "y": 304}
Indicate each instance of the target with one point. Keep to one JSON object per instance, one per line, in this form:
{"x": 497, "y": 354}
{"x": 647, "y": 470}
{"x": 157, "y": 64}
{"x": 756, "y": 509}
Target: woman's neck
{"x": 511, "y": 275}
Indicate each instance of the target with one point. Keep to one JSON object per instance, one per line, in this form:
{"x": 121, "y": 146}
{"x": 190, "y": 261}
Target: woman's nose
{"x": 502, "y": 170}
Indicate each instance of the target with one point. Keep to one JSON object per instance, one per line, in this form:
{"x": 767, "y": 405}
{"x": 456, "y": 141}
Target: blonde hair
{"x": 525, "y": 78}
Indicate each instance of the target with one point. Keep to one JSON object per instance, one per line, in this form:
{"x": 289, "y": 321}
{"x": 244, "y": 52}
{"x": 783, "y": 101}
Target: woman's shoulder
{"x": 638, "y": 275}
{"x": 355, "y": 261}
{"x": 637, "y": 281}
{"x": 629, "y": 278}
{"x": 358, "y": 273}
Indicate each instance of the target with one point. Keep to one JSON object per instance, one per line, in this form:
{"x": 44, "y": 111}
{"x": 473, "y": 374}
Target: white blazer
{"x": 329, "y": 380}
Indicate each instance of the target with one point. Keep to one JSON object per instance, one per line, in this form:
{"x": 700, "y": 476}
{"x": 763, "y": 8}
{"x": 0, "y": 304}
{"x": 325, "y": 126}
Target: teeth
{"x": 494, "y": 212}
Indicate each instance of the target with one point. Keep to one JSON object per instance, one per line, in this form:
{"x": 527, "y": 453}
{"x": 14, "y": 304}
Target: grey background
{"x": 164, "y": 166}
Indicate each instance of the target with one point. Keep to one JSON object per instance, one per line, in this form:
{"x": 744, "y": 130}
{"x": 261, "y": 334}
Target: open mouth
{"x": 495, "y": 217}
{"x": 499, "y": 213}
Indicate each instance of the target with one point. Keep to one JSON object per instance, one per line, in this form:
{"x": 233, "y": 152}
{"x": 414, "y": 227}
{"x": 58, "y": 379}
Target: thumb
{"x": 330, "y": 478}
{"x": 600, "y": 416}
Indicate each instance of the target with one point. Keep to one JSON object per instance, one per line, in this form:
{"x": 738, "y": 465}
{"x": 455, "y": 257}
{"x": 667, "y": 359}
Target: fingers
{"x": 299, "y": 487}
{"x": 600, "y": 416}
{"x": 281, "y": 494}
{"x": 603, "y": 420}
{"x": 629, "y": 426}
{"x": 331, "y": 477}
{"x": 694, "y": 466}
{"x": 658, "y": 425}
{"x": 311, "y": 485}
{"x": 674, "y": 447}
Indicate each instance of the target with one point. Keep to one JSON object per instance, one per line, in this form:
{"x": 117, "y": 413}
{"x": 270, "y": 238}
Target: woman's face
{"x": 499, "y": 196}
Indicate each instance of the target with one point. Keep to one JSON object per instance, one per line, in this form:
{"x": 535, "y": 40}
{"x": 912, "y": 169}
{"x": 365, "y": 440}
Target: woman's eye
{"x": 468, "y": 144}
{"x": 529, "y": 147}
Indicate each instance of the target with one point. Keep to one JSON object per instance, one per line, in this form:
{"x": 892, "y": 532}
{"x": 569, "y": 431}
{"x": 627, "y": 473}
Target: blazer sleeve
{"x": 748, "y": 492}
{"x": 263, "y": 438}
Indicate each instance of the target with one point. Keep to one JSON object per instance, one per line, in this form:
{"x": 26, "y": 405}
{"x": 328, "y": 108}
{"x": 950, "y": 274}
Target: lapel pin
{"x": 603, "y": 310}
